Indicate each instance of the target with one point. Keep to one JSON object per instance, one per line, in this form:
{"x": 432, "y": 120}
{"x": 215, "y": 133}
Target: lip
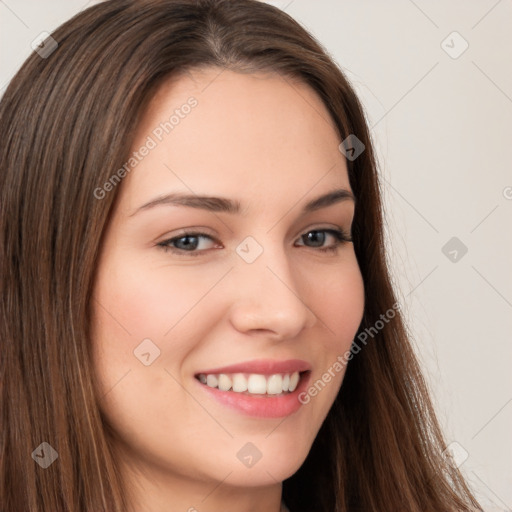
{"x": 262, "y": 367}
{"x": 260, "y": 406}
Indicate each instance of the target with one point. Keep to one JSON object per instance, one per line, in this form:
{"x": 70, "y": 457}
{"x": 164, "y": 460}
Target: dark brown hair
{"x": 66, "y": 123}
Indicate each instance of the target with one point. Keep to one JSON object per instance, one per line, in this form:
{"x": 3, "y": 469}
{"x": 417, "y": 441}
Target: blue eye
{"x": 188, "y": 243}
{"x": 340, "y": 237}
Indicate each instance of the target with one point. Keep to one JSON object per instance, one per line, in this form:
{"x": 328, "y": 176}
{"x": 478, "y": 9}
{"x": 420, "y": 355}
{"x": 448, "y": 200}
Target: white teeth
{"x": 224, "y": 382}
{"x": 239, "y": 383}
{"x": 294, "y": 380}
{"x": 274, "y": 385}
{"x": 286, "y": 382}
{"x": 257, "y": 384}
{"x": 254, "y": 383}
{"x": 211, "y": 380}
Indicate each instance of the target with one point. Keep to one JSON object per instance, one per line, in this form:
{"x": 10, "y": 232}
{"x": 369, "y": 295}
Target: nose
{"x": 268, "y": 297}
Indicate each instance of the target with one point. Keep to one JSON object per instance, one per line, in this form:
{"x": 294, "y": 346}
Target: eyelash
{"x": 339, "y": 235}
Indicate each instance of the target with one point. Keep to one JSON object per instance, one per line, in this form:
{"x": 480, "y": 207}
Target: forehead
{"x": 232, "y": 134}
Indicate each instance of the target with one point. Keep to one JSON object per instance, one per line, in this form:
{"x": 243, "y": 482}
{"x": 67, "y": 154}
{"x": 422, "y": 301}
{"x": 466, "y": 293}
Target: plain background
{"x": 442, "y": 124}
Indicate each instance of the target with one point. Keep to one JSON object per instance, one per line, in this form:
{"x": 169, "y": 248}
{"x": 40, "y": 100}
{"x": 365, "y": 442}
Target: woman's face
{"x": 254, "y": 288}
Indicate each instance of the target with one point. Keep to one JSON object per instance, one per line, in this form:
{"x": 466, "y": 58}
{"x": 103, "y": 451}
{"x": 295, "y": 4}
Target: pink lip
{"x": 263, "y": 367}
{"x": 262, "y": 406}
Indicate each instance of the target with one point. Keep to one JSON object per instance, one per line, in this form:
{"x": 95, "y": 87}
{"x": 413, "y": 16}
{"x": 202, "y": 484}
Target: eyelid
{"x": 200, "y": 230}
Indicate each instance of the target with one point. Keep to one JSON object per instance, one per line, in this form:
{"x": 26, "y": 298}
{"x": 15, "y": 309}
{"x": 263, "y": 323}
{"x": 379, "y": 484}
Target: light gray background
{"x": 443, "y": 132}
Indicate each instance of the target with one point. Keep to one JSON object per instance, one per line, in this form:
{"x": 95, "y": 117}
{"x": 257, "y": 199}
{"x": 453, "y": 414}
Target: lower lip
{"x": 262, "y": 406}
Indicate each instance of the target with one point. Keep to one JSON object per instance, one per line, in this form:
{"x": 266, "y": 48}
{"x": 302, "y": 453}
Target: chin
{"x": 263, "y": 475}
{"x": 277, "y": 463}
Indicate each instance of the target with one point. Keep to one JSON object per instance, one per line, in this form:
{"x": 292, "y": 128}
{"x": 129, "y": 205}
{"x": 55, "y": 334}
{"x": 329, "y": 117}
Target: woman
{"x": 197, "y": 311}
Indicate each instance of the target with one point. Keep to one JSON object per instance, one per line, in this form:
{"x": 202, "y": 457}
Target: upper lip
{"x": 262, "y": 366}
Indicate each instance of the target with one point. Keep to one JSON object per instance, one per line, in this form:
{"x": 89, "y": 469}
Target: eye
{"x": 189, "y": 242}
{"x": 318, "y": 236}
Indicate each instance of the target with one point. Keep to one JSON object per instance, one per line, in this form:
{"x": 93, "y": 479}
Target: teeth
{"x": 257, "y": 384}
{"x": 294, "y": 380}
{"x": 286, "y": 382}
{"x": 239, "y": 383}
{"x": 253, "y": 383}
{"x": 212, "y": 381}
{"x": 274, "y": 385}
{"x": 224, "y": 382}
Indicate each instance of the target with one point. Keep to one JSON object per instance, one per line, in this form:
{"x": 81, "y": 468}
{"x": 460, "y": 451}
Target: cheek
{"x": 338, "y": 303}
{"x": 158, "y": 310}
{"x": 151, "y": 302}
{"x": 145, "y": 404}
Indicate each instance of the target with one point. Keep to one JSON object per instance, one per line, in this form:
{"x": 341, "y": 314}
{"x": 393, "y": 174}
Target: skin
{"x": 270, "y": 144}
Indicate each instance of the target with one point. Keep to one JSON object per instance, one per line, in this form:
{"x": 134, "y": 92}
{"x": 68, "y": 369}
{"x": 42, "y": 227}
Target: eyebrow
{"x": 223, "y": 205}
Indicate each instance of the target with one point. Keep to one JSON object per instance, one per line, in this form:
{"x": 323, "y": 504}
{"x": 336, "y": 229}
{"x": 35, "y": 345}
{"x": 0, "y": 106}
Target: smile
{"x": 254, "y": 383}
{"x": 257, "y": 395}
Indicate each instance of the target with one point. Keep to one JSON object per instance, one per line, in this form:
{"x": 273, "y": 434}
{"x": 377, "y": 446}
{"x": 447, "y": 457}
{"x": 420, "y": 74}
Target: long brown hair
{"x": 67, "y": 122}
